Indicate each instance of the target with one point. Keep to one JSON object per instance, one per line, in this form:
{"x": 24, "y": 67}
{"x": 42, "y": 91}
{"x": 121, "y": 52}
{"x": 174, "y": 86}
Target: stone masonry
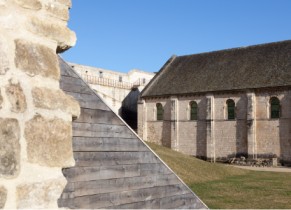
{"x": 212, "y": 136}
{"x": 221, "y": 104}
{"x": 35, "y": 114}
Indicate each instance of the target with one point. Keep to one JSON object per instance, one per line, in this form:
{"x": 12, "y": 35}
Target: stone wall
{"x": 251, "y": 133}
{"x": 35, "y": 115}
{"x": 277, "y": 136}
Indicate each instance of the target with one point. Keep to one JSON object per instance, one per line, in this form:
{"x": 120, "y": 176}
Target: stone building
{"x": 119, "y": 90}
{"x": 222, "y": 104}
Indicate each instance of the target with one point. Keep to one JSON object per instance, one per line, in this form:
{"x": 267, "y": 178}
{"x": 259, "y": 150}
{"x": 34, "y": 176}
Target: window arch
{"x": 274, "y": 108}
{"x": 193, "y": 110}
{"x": 230, "y": 109}
{"x": 160, "y": 111}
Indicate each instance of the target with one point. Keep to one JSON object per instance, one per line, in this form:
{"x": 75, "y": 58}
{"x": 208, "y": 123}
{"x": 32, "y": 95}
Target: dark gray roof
{"x": 266, "y": 65}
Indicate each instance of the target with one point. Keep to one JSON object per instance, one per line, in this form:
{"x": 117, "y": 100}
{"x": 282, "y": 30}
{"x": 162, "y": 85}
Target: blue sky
{"x": 125, "y": 34}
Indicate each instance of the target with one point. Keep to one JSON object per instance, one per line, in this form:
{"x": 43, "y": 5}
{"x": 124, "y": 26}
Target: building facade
{"x": 222, "y": 104}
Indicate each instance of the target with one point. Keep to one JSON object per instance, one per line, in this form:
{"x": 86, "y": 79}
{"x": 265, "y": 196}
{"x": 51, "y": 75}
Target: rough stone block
{"x": 58, "y": 32}
{"x": 42, "y": 195}
{"x": 3, "y": 196}
{"x": 9, "y": 147}
{"x": 29, "y": 4}
{"x": 60, "y": 12}
{"x": 50, "y": 143}
{"x": 55, "y": 99}
{"x": 16, "y": 97}
{"x": 36, "y": 59}
{"x": 4, "y": 62}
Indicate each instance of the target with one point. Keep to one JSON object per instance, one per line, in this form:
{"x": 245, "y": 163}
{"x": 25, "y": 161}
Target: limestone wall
{"x": 213, "y": 135}
{"x": 158, "y": 131}
{"x": 35, "y": 115}
{"x": 230, "y": 135}
{"x": 278, "y": 133}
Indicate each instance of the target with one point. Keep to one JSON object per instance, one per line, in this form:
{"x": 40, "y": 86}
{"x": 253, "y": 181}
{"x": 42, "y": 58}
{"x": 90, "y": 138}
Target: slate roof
{"x": 265, "y": 65}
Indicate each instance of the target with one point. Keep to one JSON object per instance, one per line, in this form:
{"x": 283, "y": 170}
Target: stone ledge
{"x": 36, "y": 59}
{"x": 58, "y": 32}
{"x": 50, "y": 143}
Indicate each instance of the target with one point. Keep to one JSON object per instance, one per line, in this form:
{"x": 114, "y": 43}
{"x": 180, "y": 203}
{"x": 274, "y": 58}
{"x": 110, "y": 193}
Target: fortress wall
{"x": 35, "y": 115}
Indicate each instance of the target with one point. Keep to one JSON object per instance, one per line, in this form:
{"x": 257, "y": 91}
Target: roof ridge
{"x": 237, "y": 48}
{"x": 256, "y": 66}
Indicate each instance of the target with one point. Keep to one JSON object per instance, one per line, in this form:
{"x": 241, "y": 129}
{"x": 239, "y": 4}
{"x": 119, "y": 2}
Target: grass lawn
{"x": 223, "y": 186}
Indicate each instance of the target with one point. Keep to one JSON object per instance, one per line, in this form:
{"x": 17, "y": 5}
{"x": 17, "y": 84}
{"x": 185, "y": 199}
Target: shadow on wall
{"x": 284, "y": 129}
{"x": 285, "y": 132}
{"x": 201, "y": 133}
{"x": 128, "y": 110}
{"x": 166, "y": 128}
{"x": 241, "y": 128}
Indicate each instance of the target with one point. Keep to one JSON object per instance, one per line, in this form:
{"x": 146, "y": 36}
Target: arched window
{"x": 160, "y": 111}
{"x": 230, "y": 109}
{"x": 193, "y": 110}
{"x": 274, "y": 108}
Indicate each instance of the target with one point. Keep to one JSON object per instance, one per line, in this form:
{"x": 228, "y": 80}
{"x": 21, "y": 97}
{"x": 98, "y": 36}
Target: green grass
{"x": 224, "y": 186}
